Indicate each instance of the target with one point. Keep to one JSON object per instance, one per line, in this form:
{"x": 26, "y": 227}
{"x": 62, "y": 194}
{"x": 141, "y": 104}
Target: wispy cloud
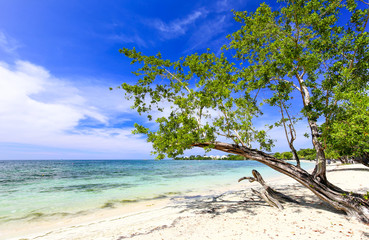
{"x": 177, "y": 27}
{"x": 8, "y": 44}
{"x": 223, "y": 5}
{"x": 130, "y": 38}
{"x": 228, "y": 5}
{"x": 39, "y": 109}
{"x": 209, "y": 34}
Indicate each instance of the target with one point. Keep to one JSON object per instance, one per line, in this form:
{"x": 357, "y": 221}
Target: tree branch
{"x": 284, "y": 80}
{"x": 171, "y": 74}
{"x": 189, "y": 91}
{"x": 235, "y": 131}
{"x": 367, "y": 3}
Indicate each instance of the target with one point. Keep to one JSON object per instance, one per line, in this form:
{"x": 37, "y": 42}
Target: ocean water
{"x": 38, "y": 189}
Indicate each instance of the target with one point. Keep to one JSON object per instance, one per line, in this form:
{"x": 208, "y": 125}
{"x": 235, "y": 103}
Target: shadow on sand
{"x": 245, "y": 201}
{"x": 349, "y": 169}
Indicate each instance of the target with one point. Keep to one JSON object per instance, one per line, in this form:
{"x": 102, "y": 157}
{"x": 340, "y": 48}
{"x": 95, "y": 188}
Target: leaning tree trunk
{"x": 352, "y": 204}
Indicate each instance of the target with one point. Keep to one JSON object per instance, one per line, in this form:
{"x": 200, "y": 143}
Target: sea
{"x": 38, "y": 189}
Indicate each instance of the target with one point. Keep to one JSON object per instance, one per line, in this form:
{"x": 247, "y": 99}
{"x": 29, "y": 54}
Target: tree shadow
{"x": 239, "y": 201}
{"x": 229, "y": 202}
{"x": 349, "y": 169}
{"x": 245, "y": 201}
{"x": 307, "y": 200}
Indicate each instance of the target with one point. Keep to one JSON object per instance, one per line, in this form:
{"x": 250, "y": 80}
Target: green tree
{"x": 235, "y": 157}
{"x": 277, "y": 155}
{"x": 307, "y": 153}
{"x": 300, "y": 49}
{"x": 347, "y": 132}
{"x": 287, "y": 155}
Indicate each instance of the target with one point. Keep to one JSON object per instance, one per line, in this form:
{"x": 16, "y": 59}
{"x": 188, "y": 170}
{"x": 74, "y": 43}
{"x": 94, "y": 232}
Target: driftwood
{"x": 271, "y": 196}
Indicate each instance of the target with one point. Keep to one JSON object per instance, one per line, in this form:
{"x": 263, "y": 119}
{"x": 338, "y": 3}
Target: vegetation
{"x": 278, "y": 155}
{"x": 193, "y": 157}
{"x": 287, "y": 155}
{"x": 199, "y": 157}
{"x": 353, "y": 141}
{"x": 308, "y": 154}
{"x": 301, "y": 57}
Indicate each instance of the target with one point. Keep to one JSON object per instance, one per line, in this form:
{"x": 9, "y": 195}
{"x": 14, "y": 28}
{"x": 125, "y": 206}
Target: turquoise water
{"x": 35, "y": 189}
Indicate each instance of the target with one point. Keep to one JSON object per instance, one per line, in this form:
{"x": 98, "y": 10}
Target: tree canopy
{"x": 347, "y": 132}
{"x": 301, "y": 47}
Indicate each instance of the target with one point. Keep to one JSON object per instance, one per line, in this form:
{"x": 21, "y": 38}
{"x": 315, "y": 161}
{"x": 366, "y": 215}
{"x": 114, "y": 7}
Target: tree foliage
{"x": 287, "y": 155}
{"x": 278, "y": 155}
{"x": 307, "y": 153}
{"x": 347, "y": 132}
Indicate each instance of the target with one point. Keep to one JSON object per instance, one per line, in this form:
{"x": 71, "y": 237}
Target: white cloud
{"x": 39, "y": 109}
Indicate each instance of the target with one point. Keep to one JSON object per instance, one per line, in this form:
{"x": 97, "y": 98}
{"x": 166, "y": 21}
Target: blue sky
{"x": 59, "y": 58}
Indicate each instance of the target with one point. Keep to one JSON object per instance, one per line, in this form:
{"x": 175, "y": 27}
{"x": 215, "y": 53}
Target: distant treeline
{"x": 199, "y": 157}
{"x": 307, "y": 154}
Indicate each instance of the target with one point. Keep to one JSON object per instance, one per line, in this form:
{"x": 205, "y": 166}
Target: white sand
{"x": 235, "y": 214}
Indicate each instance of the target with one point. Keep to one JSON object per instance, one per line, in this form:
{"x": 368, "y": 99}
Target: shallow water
{"x": 36, "y": 189}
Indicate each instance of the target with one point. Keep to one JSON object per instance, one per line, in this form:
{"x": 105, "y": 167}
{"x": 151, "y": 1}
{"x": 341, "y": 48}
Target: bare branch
{"x": 284, "y": 80}
{"x": 235, "y": 131}
{"x": 171, "y": 74}
{"x": 322, "y": 14}
{"x": 198, "y": 118}
{"x": 303, "y": 73}
{"x": 367, "y": 3}
{"x": 225, "y": 135}
{"x": 257, "y": 94}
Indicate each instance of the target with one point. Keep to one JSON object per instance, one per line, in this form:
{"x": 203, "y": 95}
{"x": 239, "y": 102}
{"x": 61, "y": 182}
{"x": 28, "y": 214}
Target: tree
{"x": 302, "y": 50}
{"x": 290, "y": 133}
{"x": 307, "y": 153}
{"x": 347, "y": 133}
{"x": 277, "y": 155}
{"x": 287, "y": 155}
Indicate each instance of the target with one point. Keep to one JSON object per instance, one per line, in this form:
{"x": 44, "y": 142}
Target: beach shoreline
{"x": 230, "y": 212}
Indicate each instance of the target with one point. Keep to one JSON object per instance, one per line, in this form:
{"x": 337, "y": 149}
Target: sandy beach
{"x": 228, "y": 213}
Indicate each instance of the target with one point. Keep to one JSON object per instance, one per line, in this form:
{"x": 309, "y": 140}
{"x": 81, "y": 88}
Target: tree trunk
{"x": 352, "y": 204}
{"x": 295, "y": 156}
{"x": 319, "y": 172}
{"x": 364, "y": 159}
{"x": 320, "y": 168}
